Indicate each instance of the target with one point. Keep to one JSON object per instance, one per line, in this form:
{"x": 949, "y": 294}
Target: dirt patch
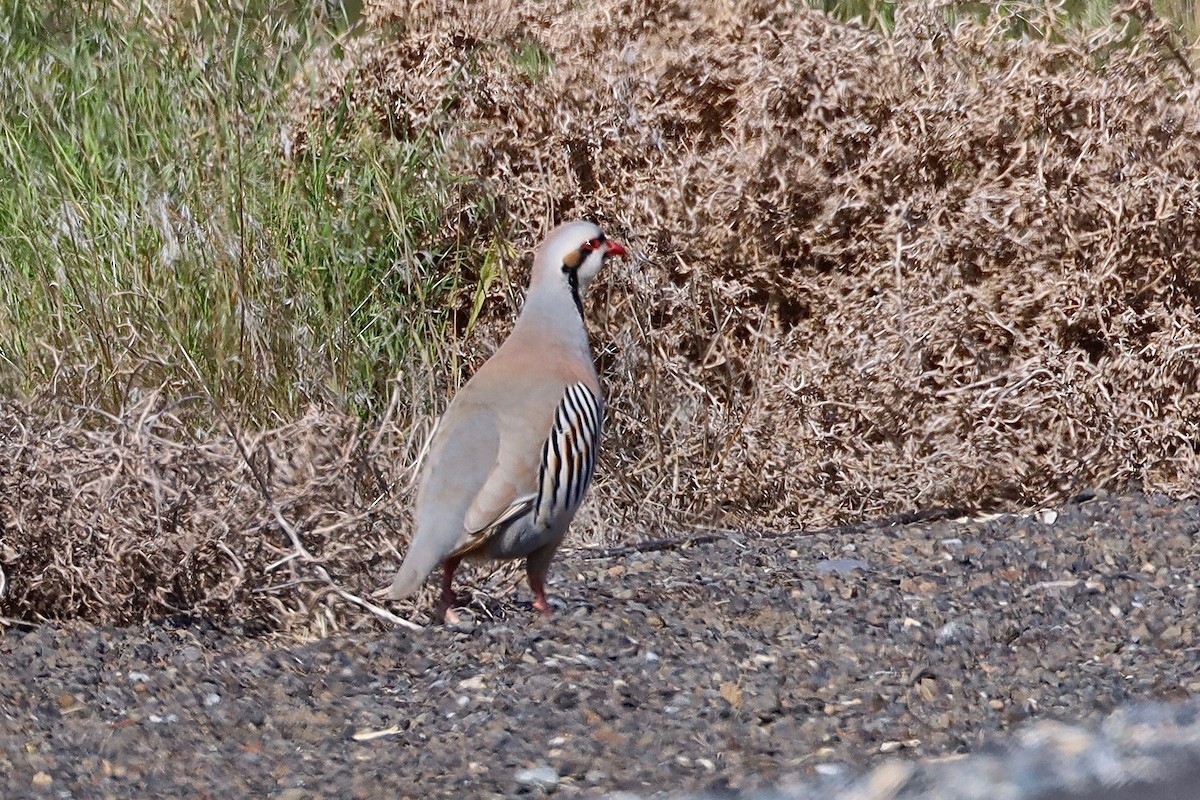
{"x": 719, "y": 666}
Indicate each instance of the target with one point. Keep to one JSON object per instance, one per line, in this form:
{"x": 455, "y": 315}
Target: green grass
{"x": 532, "y": 60}
{"x": 1084, "y": 14}
{"x": 154, "y": 236}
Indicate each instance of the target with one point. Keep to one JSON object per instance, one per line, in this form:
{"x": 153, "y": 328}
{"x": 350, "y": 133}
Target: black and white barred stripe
{"x": 569, "y": 455}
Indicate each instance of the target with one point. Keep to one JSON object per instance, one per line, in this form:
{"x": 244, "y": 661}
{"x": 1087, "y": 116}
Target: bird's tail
{"x": 412, "y": 573}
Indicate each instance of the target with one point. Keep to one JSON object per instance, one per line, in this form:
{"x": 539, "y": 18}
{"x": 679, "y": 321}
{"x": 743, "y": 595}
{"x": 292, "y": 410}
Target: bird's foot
{"x": 445, "y": 609}
{"x": 542, "y": 605}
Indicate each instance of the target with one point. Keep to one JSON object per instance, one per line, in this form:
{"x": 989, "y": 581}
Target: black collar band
{"x": 573, "y": 280}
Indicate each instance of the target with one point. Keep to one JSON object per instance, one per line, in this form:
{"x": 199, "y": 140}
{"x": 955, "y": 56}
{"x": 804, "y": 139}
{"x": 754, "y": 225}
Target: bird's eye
{"x": 591, "y": 245}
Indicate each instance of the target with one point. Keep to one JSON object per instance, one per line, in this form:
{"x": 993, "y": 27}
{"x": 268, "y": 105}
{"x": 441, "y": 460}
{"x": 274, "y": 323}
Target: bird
{"x": 513, "y": 456}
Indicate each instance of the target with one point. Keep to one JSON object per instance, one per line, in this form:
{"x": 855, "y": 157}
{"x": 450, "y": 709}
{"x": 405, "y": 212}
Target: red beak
{"x": 612, "y": 248}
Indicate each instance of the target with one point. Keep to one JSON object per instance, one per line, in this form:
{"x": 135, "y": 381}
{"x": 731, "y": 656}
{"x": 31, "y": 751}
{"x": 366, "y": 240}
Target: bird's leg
{"x": 537, "y": 564}
{"x": 538, "y": 585}
{"x": 446, "y": 605}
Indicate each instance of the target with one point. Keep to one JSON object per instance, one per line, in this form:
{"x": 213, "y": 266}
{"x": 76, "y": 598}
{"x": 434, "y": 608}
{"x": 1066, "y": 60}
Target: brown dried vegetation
{"x": 114, "y": 520}
{"x": 875, "y": 273}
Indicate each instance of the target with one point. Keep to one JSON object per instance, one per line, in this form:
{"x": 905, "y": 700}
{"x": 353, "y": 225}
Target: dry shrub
{"x": 875, "y": 273}
{"x": 121, "y": 520}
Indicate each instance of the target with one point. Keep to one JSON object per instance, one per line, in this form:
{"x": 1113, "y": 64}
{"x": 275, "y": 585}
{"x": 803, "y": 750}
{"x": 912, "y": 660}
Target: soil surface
{"x": 712, "y": 665}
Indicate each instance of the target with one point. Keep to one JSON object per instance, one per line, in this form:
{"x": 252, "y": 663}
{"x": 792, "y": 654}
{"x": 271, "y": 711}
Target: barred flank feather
{"x": 569, "y": 455}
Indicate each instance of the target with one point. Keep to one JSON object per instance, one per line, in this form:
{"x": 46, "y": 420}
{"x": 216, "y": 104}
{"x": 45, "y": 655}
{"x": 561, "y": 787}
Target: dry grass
{"x": 116, "y": 520}
{"x": 875, "y": 273}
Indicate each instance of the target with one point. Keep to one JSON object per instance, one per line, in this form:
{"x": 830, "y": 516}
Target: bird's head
{"x": 572, "y": 255}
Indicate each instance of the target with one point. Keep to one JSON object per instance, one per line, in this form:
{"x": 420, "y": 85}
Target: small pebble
{"x": 540, "y": 777}
{"x": 835, "y": 566}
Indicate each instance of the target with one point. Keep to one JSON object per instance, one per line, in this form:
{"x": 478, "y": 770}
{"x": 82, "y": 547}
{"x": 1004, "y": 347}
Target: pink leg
{"x": 537, "y": 583}
{"x": 445, "y": 609}
{"x": 537, "y": 564}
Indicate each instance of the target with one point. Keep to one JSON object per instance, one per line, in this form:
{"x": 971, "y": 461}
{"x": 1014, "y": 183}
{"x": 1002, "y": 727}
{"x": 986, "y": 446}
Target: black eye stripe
{"x": 592, "y": 245}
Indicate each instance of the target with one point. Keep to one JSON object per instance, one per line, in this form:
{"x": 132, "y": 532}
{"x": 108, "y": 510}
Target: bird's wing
{"x": 545, "y": 480}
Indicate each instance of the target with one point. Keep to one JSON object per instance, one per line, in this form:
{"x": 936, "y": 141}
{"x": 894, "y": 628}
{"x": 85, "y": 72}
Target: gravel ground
{"x": 856, "y": 662}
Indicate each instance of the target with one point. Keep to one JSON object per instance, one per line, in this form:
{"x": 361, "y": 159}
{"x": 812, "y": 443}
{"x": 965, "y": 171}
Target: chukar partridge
{"x": 513, "y": 455}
